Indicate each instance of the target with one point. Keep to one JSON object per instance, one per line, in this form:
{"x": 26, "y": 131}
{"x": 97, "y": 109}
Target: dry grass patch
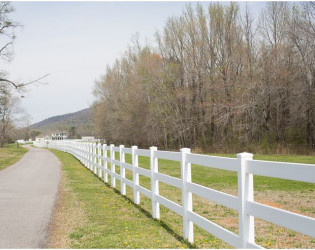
{"x": 68, "y": 215}
{"x": 273, "y": 236}
{"x": 301, "y": 202}
{"x": 267, "y": 234}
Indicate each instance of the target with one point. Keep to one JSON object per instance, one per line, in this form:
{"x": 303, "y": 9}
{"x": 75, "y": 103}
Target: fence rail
{"x": 97, "y": 157}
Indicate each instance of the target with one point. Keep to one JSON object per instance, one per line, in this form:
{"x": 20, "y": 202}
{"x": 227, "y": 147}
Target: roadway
{"x": 28, "y": 191}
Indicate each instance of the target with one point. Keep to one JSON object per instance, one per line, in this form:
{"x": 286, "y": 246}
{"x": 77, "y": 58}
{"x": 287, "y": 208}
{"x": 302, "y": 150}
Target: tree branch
{"x": 21, "y": 85}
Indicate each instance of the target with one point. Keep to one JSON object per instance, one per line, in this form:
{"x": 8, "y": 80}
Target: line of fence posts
{"x": 92, "y": 157}
{"x": 99, "y": 160}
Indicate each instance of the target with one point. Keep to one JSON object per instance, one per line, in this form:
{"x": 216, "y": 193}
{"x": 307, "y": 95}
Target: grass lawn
{"x": 10, "y": 155}
{"x": 97, "y": 216}
{"x": 102, "y": 218}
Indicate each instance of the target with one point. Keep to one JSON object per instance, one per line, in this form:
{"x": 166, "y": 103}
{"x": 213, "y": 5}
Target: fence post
{"x": 188, "y": 227}
{"x": 86, "y": 154}
{"x": 154, "y": 184}
{"x": 77, "y": 149}
{"x": 112, "y": 166}
{"x": 122, "y": 170}
{"x": 95, "y": 159}
{"x": 99, "y": 149}
{"x": 92, "y": 157}
{"x": 81, "y": 152}
{"x": 135, "y": 176}
{"x": 71, "y": 149}
{"x": 245, "y": 193}
{"x": 89, "y": 155}
{"x": 105, "y": 163}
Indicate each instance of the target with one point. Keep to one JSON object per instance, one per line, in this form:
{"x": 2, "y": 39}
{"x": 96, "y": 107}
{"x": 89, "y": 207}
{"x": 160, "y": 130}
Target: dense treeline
{"x": 216, "y": 78}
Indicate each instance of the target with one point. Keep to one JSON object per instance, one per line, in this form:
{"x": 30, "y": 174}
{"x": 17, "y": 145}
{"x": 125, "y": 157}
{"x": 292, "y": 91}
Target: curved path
{"x": 28, "y": 190}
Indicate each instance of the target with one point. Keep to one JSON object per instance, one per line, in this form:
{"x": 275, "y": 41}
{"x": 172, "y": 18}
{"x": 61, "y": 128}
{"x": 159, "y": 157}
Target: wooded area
{"x": 14, "y": 120}
{"x": 11, "y": 112}
{"x": 216, "y": 79}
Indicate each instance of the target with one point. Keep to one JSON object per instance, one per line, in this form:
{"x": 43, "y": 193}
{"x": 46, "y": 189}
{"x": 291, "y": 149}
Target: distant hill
{"x": 77, "y": 124}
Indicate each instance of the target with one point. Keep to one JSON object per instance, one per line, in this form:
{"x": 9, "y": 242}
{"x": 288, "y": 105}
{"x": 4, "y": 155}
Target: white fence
{"x": 95, "y": 157}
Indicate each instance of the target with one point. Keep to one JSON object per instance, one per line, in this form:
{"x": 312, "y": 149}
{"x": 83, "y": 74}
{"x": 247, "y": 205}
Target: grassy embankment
{"x": 91, "y": 214}
{"x": 10, "y": 155}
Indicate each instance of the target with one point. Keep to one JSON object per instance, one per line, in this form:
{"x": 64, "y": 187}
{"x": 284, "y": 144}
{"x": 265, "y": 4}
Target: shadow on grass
{"x": 145, "y": 212}
{"x": 148, "y": 214}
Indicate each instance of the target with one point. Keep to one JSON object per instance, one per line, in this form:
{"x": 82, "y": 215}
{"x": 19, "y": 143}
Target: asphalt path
{"x": 28, "y": 191}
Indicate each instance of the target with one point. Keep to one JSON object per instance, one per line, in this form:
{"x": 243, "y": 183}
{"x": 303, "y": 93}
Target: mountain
{"x": 77, "y": 124}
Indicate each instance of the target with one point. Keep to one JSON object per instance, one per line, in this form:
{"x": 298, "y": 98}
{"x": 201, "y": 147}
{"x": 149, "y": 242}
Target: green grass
{"x": 260, "y": 182}
{"x": 221, "y": 179}
{"x": 10, "y": 155}
{"x": 112, "y": 221}
{"x": 115, "y": 222}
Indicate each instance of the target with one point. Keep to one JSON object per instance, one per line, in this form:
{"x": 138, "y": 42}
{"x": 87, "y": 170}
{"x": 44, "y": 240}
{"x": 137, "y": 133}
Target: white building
{"x": 59, "y": 136}
{"x": 88, "y": 138}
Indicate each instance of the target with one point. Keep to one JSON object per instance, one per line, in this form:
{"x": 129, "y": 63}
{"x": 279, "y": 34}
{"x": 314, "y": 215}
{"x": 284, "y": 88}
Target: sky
{"x": 73, "y": 42}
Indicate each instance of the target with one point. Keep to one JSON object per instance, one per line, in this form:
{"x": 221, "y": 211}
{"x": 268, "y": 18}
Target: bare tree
{"x": 302, "y": 33}
{"x": 7, "y": 37}
{"x": 216, "y": 80}
{"x": 9, "y": 104}
{"x": 11, "y": 113}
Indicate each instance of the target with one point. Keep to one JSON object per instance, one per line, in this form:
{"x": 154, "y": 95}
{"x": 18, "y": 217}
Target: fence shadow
{"x": 149, "y": 215}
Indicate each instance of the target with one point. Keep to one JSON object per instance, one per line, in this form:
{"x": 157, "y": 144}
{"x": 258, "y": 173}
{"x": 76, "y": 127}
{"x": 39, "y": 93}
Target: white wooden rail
{"x": 95, "y": 157}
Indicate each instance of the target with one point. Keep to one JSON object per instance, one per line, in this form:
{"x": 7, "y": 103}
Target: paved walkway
{"x": 28, "y": 190}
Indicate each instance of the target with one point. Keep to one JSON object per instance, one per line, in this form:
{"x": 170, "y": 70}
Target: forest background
{"x": 216, "y": 80}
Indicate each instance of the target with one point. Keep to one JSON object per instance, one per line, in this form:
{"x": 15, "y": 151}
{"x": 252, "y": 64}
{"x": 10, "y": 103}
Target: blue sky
{"x": 74, "y": 41}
